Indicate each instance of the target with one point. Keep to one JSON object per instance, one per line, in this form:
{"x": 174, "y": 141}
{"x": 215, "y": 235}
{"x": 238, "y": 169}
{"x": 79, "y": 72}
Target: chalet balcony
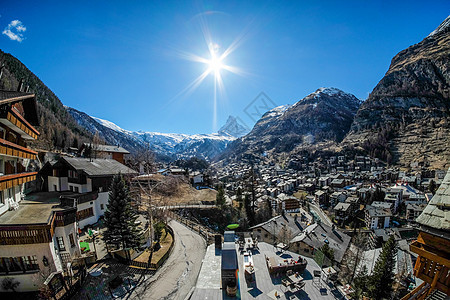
{"x": 77, "y": 198}
{"x": 432, "y": 265}
{"x": 25, "y": 234}
{"x": 11, "y": 149}
{"x": 14, "y": 120}
{"x": 8, "y": 181}
{"x": 64, "y": 218}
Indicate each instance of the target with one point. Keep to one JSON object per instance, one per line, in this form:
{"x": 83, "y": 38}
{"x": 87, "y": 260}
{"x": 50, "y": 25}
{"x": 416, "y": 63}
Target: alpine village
{"x": 329, "y": 198}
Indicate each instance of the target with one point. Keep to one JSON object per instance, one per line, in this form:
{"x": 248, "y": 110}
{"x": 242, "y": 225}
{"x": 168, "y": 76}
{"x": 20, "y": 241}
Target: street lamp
{"x": 92, "y": 234}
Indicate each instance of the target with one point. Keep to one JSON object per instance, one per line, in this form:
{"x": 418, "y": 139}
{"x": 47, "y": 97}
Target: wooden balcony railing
{"x": 433, "y": 264}
{"x": 80, "y": 198}
{"x": 25, "y": 234}
{"x": 8, "y": 181}
{"x": 433, "y": 273}
{"x": 11, "y": 149}
{"x": 19, "y": 121}
{"x": 64, "y": 218}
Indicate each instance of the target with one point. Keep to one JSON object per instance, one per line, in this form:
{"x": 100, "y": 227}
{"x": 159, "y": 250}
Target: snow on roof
{"x": 437, "y": 212}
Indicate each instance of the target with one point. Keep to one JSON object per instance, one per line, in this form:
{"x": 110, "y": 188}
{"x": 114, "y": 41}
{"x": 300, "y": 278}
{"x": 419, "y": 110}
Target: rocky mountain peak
{"x": 233, "y": 128}
{"x": 444, "y": 26}
{"x": 330, "y": 97}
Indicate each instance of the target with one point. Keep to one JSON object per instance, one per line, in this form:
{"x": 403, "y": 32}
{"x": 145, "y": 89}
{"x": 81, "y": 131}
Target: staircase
{"x": 437, "y": 295}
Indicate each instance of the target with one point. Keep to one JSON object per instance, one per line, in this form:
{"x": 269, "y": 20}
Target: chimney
{"x": 19, "y": 88}
{"x": 1, "y": 70}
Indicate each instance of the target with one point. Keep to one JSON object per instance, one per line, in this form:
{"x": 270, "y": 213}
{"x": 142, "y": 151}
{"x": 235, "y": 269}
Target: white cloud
{"x": 15, "y": 31}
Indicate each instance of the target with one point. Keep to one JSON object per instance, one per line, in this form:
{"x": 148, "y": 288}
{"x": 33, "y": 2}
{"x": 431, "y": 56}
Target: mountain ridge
{"x": 322, "y": 116}
{"x": 165, "y": 145}
{"x": 406, "y": 117}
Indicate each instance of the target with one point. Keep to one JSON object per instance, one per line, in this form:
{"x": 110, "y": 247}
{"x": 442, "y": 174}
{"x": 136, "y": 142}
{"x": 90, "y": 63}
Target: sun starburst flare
{"x": 215, "y": 66}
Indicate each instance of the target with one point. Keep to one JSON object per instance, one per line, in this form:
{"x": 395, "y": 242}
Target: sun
{"x": 215, "y": 64}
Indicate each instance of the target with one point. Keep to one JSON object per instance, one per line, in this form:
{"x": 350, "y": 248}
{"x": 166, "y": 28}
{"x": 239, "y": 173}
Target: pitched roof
{"x": 275, "y": 225}
{"x": 378, "y": 212}
{"x": 437, "y": 212}
{"x": 28, "y": 102}
{"x": 109, "y": 148}
{"x": 342, "y": 206}
{"x": 316, "y": 235}
{"x": 12, "y": 96}
{"x": 98, "y": 167}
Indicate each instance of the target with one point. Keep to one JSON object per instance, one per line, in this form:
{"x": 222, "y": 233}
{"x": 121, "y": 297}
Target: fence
{"x": 191, "y": 204}
{"x": 121, "y": 256}
{"x": 203, "y": 231}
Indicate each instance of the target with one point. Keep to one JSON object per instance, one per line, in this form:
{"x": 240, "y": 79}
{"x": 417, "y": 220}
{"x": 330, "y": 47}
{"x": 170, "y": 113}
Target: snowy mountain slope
{"x": 323, "y": 116}
{"x": 175, "y": 145}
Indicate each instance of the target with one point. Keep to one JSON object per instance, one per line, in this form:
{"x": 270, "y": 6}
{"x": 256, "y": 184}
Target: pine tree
{"x": 361, "y": 282}
{"x": 328, "y": 252}
{"x": 239, "y": 197}
{"x": 432, "y": 187}
{"x": 248, "y": 210}
{"x": 382, "y": 278}
{"x": 377, "y": 195}
{"x": 220, "y": 197}
{"x": 121, "y": 229}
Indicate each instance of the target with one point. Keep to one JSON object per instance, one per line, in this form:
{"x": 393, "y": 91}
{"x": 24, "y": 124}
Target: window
{"x": 18, "y": 264}
{"x": 73, "y": 174}
{"x": 102, "y": 207}
{"x": 1, "y": 198}
{"x": 12, "y": 137}
{"x": 76, "y": 189}
{"x": 2, "y": 132}
{"x": 60, "y": 241}
{"x": 14, "y": 264}
{"x": 71, "y": 240}
{"x": 55, "y": 187}
{"x": 71, "y": 188}
{"x": 30, "y": 263}
{"x": 85, "y": 213}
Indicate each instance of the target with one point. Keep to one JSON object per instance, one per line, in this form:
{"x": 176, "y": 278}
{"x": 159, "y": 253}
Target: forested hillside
{"x": 57, "y": 127}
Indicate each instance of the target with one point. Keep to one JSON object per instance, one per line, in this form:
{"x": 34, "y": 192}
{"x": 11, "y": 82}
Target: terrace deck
{"x": 208, "y": 283}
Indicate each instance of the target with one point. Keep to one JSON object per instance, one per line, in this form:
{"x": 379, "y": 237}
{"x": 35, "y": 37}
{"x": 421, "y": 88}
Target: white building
{"x": 88, "y": 179}
{"x": 377, "y": 217}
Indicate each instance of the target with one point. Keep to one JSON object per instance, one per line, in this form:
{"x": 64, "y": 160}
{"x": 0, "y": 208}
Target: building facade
{"x": 88, "y": 180}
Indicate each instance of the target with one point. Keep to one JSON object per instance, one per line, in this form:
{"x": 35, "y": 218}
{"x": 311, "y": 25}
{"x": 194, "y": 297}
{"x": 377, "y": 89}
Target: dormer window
{"x": 73, "y": 174}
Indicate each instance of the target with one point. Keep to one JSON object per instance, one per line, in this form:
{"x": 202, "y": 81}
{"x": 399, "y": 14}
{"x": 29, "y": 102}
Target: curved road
{"x": 321, "y": 214}
{"x": 179, "y": 273}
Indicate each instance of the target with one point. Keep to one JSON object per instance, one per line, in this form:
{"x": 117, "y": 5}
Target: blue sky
{"x": 124, "y": 61}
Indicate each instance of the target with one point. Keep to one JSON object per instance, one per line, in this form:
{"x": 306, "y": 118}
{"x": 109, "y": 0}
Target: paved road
{"x": 179, "y": 274}
{"x": 188, "y": 206}
{"x": 321, "y": 214}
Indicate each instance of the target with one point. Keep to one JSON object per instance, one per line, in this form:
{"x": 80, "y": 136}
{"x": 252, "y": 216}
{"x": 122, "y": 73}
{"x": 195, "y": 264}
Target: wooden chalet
{"x": 433, "y": 246}
{"x": 88, "y": 180}
{"x": 18, "y": 116}
{"x": 117, "y": 153}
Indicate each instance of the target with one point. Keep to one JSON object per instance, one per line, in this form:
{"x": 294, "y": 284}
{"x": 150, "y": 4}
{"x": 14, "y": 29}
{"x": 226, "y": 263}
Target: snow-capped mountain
{"x": 323, "y": 116}
{"x": 175, "y": 145}
{"x": 234, "y": 128}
